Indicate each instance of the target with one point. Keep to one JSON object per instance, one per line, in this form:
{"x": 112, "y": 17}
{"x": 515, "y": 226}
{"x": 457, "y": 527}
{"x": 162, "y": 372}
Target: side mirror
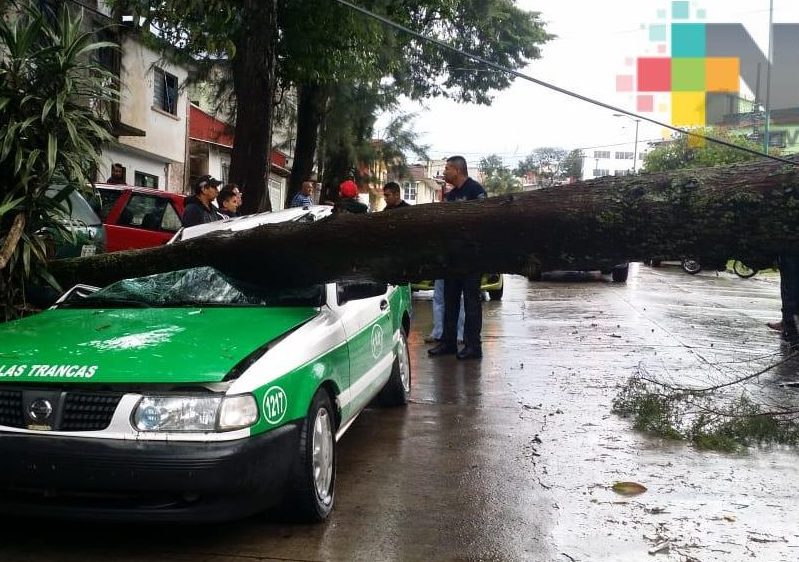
{"x": 349, "y": 291}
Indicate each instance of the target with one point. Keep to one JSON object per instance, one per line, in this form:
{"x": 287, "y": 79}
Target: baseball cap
{"x": 206, "y": 181}
{"x": 348, "y": 189}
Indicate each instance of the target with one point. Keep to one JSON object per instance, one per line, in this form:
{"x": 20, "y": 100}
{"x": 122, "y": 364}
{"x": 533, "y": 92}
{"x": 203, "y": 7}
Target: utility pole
{"x": 770, "y": 61}
{"x": 635, "y": 149}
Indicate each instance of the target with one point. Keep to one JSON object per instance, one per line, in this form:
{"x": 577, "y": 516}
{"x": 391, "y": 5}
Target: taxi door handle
{"x": 383, "y": 305}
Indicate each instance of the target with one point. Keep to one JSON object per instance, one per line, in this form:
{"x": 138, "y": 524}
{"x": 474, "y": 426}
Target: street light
{"x": 635, "y": 150}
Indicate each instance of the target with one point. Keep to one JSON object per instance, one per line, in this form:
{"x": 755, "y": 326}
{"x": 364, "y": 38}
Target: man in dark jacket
{"x": 227, "y": 202}
{"x": 464, "y": 189}
{"x": 199, "y": 209}
{"x": 393, "y": 197}
{"x": 348, "y": 199}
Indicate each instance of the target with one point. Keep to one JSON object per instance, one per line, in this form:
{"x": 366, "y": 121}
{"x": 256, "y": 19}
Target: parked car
{"x": 492, "y": 283}
{"x": 294, "y": 214}
{"x": 87, "y": 235}
{"x": 618, "y": 272}
{"x": 139, "y": 217}
{"x": 191, "y": 395}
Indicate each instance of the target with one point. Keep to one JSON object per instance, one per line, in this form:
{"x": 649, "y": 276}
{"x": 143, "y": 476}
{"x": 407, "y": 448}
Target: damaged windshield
{"x": 199, "y": 286}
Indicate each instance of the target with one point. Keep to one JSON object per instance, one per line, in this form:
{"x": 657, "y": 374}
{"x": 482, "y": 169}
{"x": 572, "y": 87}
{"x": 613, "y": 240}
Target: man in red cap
{"x": 348, "y": 198}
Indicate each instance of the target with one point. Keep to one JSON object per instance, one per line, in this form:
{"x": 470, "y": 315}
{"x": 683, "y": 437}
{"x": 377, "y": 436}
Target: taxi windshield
{"x": 198, "y": 286}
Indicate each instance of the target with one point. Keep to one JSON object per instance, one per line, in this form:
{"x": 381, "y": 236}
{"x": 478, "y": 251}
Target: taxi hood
{"x": 139, "y": 345}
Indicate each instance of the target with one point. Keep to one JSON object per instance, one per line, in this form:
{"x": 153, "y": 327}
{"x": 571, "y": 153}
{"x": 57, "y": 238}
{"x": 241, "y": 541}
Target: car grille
{"x": 11, "y": 413}
{"x": 88, "y": 412}
{"x": 73, "y": 410}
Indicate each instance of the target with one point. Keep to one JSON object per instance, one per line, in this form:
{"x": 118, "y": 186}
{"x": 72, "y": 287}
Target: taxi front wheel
{"x": 397, "y": 391}
{"x": 313, "y": 478}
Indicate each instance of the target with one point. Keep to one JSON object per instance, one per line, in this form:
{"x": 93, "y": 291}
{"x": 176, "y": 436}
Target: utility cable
{"x": 553, "y": 87}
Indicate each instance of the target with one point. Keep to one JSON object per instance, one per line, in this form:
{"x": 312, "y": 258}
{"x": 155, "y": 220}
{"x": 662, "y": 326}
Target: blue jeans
{"x": 463, "y": 291}
{"x": 438, "y": 312}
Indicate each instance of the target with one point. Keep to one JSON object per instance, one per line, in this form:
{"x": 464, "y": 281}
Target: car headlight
{"x": 195, "y": 413}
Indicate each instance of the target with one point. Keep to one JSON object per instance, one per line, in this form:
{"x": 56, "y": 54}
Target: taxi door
{"x": 365, "y": 314}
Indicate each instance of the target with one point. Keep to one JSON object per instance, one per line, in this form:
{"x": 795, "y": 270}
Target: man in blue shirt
{"x": 303, "y": 197}
{"x": 464, "y": 189}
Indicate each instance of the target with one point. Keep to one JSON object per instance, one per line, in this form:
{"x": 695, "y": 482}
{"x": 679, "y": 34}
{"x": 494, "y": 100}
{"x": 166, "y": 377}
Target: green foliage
{"x": 547, "y": 163}
{"x": 324, "y": 44}
{"x": 497, "y": 178}
{"x": 572, "y": 165}
{"x": 709, "y": 419}
{"x": 397, "y": 140}
{"x": 52, "y": 101}
{"x": 691, "y": 152}
{"x": 496, "y": 30}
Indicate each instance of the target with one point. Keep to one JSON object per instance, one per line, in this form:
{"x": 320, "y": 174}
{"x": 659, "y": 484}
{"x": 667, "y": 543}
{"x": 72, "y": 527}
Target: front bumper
{"x": 76, "y": 477}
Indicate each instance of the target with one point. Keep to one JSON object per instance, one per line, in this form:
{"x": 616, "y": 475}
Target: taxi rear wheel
{"x": 397, "y": 391}
{"x": 313, "y": 479}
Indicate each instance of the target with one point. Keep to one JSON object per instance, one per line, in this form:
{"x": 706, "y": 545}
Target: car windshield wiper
{"x": 111, "y": 302}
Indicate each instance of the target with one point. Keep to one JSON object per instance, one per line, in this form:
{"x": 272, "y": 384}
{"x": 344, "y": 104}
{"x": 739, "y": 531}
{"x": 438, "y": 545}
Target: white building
{"x": 150, "y": 122}
{"x": 617, "y": 160}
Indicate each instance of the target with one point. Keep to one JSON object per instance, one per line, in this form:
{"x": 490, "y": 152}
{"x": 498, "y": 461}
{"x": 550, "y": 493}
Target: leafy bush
{"x": 53, "y": 96}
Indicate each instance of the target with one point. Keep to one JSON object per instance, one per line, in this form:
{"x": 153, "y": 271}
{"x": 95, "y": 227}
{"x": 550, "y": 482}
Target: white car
{"x": 235, "y": 224}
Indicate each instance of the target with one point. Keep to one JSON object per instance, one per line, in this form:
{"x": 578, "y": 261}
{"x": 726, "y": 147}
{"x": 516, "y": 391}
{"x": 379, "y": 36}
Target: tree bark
{"x": 746, "y": 211}
{"x": 13, "y": 236}
{"x": 254, "y": 86}
{"x": 310, "y": 111}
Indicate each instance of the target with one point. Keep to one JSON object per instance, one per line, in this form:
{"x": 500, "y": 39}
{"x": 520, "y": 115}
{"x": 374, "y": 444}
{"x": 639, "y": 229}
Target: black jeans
{"x": 472, "y": 308}
{"x": 789, "y": 289}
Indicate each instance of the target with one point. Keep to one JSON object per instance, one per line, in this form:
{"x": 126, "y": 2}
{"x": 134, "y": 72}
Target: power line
{"x": 553, "y": 87}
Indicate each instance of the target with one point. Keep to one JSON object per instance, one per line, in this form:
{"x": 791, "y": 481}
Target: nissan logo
{"x": 40, "y": 409}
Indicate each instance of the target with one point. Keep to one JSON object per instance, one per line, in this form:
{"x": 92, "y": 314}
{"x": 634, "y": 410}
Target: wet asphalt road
{"x": 513, "y": 457}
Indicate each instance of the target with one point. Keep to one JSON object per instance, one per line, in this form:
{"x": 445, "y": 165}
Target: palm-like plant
{"x": 52, "y": 128}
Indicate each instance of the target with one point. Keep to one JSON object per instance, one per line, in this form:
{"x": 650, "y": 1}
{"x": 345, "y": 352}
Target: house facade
{"x": 153, "y": 120}
{"x": 150, "y": 119}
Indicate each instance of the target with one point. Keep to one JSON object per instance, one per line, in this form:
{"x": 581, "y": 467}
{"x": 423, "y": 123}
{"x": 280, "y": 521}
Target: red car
{"x": 139, "y": 217}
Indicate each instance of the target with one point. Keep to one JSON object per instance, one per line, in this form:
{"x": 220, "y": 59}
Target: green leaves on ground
{"x": 728, "y": 417}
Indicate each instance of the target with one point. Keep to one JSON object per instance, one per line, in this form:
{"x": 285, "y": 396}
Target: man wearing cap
{"x": 348, "y": 202}
{"x": 199, "y": 209}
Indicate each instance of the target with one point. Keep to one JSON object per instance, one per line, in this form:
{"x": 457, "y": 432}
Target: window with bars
{"x": 165, "y": 91}
{"x": 409, "y": 191}
{"x": 602, "y": 154}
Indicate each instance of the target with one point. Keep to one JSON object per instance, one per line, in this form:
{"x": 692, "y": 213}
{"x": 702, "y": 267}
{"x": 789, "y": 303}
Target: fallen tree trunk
{"x": 748, "y": 212}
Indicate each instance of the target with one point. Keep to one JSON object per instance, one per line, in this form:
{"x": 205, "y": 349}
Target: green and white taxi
{"x": 191, "y": 395}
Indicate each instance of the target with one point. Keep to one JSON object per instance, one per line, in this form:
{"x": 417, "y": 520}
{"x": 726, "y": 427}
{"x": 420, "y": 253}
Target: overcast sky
{"x": 596, "y": 38}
